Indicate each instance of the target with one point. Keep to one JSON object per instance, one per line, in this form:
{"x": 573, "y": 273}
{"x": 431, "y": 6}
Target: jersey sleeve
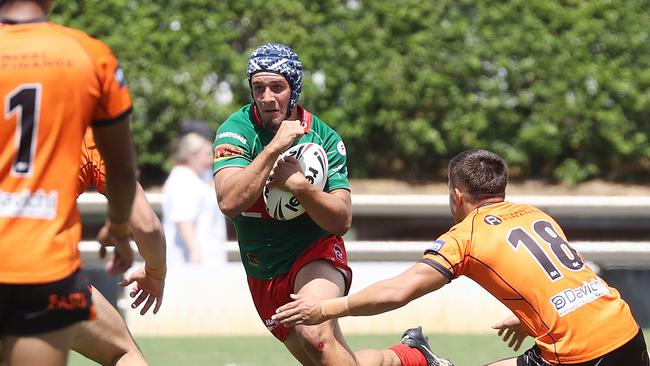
{"x": 92, "y": 172}
{"x": 114, "y": 102}
{"x": 337, "y": 174}
{"x": 231, "y": 148}
{"x": 447, "y": 254}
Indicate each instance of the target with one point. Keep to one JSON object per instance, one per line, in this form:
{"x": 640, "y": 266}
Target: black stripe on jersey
{"x": 439, "y": 267}
{"x": 112, "y": 121}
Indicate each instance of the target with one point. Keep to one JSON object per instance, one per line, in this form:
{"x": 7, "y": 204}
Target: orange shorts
{"x": 268, "y": 295}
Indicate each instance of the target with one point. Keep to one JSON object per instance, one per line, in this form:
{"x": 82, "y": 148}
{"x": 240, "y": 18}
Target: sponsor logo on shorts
{"x": 571, "y": 299}
{"x": 492, "y": 220}
{"x": 232, "y": 135}
{"x": 227, "y": 151}
{"x": 338, "y": 252}
{"x": 437, "y": 245}
{"x": 270, "y": 324}
{"x": 253, "y": 259}
{"x": 77, "y": 300}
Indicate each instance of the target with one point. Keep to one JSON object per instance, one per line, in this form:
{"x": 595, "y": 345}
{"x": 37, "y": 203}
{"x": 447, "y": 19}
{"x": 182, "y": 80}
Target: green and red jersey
{"x": 268, "y": 247}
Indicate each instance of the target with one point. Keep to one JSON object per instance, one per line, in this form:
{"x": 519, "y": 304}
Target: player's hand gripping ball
{"x": 282, "y": 205}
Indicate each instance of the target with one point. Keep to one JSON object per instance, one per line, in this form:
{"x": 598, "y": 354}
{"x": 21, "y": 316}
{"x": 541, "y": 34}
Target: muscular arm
{"x": 377, "y": 298}
{"x": 238, "y": 188}
{"x": 116, "y": 147}
{"x": 395, "y": 292}
{"x": 332, "y": 211}
{"x": 148, "y": 234}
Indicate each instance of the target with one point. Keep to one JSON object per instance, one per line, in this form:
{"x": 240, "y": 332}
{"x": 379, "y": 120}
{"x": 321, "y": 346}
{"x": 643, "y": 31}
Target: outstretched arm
{"x": 377, "y": 298}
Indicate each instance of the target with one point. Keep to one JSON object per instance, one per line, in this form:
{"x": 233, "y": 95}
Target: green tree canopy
{"x": 561, "y": 88}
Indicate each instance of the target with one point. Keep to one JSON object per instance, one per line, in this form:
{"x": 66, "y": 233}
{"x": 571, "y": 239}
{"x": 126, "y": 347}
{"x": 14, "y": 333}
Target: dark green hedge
{"x": 560, "y": 88}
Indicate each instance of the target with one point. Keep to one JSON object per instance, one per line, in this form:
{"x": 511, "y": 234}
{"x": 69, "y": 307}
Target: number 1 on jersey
{"x": 25, "y": 102}
{"x": 568, "y": 256}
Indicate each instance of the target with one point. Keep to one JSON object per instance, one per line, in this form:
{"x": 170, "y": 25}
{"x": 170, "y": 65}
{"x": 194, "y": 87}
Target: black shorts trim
{"x": 40, "y": 308}
{"x": 632, "y": 353}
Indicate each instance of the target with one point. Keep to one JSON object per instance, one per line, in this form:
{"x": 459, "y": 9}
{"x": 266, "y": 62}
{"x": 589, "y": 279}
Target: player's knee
{"x": 316, "y": 339}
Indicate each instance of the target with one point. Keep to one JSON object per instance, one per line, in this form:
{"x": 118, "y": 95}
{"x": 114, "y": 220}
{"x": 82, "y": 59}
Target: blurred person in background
{"x": 192, "y": 125}
{"x": 194, "y": 226}
{"x": 305, "y": 255}
{"x": 521, "y": 256}
{"x": 199, "y": 127}
{"x": 56, "y": 82}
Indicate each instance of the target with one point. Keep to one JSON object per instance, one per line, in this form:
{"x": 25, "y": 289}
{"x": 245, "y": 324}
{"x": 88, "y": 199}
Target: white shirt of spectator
{"x": 189, "y": 198}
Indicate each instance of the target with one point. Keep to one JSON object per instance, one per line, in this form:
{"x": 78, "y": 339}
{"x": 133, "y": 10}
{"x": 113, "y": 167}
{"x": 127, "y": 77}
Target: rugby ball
{"x": 282, "y": 205}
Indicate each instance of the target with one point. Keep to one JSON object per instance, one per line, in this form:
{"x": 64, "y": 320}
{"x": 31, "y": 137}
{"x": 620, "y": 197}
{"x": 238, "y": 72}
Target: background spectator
{"x": 194, "y": 226}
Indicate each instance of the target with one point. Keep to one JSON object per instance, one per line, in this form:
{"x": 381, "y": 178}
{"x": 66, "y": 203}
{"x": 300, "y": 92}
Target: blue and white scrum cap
{"x": 280, "y": 59}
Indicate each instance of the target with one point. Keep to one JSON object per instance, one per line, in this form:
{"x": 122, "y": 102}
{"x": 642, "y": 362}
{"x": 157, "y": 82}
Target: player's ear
{"x": 459, "y": 196}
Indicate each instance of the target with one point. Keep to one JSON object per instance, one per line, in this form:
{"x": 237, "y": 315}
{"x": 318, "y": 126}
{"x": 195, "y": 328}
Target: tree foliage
{"x": 560, "y": 88}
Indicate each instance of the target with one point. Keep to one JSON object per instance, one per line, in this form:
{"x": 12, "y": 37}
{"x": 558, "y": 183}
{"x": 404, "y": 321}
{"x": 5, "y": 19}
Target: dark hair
{"x": 480, "y": 173}
{"x": 191, "y": 125}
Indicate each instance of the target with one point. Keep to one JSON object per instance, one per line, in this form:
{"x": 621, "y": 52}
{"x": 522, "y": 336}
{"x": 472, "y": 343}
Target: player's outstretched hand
{"x": 305, "y": 309}
{"x": 122, "y": 256}
{"x": 510, "y": 329}
{"x": 148, "y": 286}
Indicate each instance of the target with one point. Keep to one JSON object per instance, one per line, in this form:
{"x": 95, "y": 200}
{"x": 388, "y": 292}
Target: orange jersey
{"x": 56, "y": 81}
{"x": 93, "y": 170}
{"x": 520, "y": 255}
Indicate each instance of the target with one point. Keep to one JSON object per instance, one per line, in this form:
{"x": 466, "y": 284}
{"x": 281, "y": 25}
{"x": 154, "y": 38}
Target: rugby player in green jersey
{"x": 305, "y": 255}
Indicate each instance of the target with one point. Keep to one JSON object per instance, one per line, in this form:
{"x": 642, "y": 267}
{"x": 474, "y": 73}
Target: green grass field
{"x": 463, "y": 350}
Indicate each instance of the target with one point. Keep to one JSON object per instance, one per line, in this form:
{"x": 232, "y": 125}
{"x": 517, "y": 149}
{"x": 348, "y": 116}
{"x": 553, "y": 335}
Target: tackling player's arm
{"x": 377, "y": 298}
{"x": 238, "y": 188}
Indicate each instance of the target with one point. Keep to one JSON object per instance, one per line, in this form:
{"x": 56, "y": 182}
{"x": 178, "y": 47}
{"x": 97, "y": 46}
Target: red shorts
{"x": 268, "y": 295}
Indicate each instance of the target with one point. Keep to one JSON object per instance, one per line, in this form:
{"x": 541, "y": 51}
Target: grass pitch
{"x": 463, "y": 350}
